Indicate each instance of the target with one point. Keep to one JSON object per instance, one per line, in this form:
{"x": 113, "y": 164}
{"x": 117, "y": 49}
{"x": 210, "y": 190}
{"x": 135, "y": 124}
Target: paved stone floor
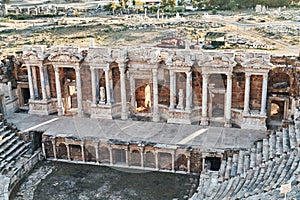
{"x": 128, "y": 130}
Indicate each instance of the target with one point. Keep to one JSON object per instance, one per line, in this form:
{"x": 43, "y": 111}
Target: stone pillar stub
{"x": 204, "y": 119}
{"x": 79, "y": 92}
{"x": 124, "y": 114}
{"x": 60, "y": 108}
{"x": 188, "y": 91}
{"x": 228, "y": 101}
{"x": 155, "y": 96}
{"x": 107, "y": 85}
{"x": 264, "y": 95}
{"x": 43, "y": 85}
{"x": 247, "y": 94}
{"x": 30, "y": 82}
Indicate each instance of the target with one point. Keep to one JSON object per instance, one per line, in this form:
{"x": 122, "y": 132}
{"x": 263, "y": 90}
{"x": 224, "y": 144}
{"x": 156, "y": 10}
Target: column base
{"x": 80, "y": 113}
{"x": 124, "y": 116}
{"x": 228, "y": 124}
{"x": 60, "y": 111}
{"x": 156, "y": 117}
{"x": 204, "y": 121}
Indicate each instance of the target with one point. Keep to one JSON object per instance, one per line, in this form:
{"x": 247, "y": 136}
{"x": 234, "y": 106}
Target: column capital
{"x": 188, "y": 73}
{"x": 265, "y": 76}
{"x": 77, "y": 69}
{"x": 248, "y": 74}
{"x": 229, "y": 75}
{"x": 154, "y": 71}
{"x": 205, "y": 74}
{"x": 56, "y": 68}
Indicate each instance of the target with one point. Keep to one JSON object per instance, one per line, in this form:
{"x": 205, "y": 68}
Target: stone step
{"x": 7, "y": 146}
{"x": 21, "y": 150}
{"x": 12, "y": 149}
{"x": 3, "y": 128}
{"x": 4, "y": 134}
{"x": 6, "y": 139}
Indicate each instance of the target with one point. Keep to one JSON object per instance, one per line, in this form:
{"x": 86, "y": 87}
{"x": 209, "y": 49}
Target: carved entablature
{"x": 65, "y": 58}
{"x": 33, "y": 58}
{"x": 179, "y": 60}
{"x": 257, "y": 65}
{"x": 148, "y": 55}
{"x": 120, "y": 56}
{"x": 217, "y": 63}
{"x": 99, "y": 55}
{"x": 33, "y": 54}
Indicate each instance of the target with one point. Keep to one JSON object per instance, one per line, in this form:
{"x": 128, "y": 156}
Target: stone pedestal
{"x": 42, "y": 107}
{"x": 101, "y": 111}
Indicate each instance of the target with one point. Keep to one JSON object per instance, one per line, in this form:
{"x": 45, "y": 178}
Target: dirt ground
{"x": 56, "y": 180}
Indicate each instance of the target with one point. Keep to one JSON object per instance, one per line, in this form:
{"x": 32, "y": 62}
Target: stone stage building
{"x": 251, "y": 90}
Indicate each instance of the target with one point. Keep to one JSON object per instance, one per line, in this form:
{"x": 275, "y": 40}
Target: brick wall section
{"x": 197, "y": 88}
{"x": 116, "y": 84}
{"x": 164, "y": 89}
{"x": 51, "y": 75}
{"x": 86, "y": 83}
{"x": 238, "y": 90}
{"x": 255, "y": 92}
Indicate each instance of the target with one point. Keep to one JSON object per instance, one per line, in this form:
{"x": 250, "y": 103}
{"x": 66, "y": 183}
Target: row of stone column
{"x": 33, "y": 82}
{"x": 111, "y": 156}
{"x": 204, "y": 118}
{"x": 60, "y": 107}
{"x": 188, "y": 90}
{"x": 263, "y": 96}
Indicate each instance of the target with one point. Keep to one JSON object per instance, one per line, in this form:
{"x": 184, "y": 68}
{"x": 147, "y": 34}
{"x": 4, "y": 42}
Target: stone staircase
{"x": 11, "y": 148}
{"x": 265, "y": 167}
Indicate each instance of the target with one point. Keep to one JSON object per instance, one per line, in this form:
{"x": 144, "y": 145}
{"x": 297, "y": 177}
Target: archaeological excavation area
{"x": 230, "y": 118}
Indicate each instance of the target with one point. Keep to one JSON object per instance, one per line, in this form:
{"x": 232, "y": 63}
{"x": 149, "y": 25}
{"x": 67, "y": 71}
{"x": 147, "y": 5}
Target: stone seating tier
{"x": 265, "y": 167}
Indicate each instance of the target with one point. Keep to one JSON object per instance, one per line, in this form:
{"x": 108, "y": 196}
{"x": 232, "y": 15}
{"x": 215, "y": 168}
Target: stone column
{"x": 30, "y": 82}
{"x": 54, "y": 148}
{"x": 188, "y": 164}
{"x": 97, "y": 153}
{"x": 43, "y": 86}
{"x": 264, "y": 95}
{"x": 82, "y": 152}
{"x": 155, "y": 96}
{"x": 228, "y": 101}
{"x": 247, "y": 94}
{"x": 204, "y": 120}
{"x": 68, "y": 151}
{"x": 173, "y": 161}
{"x": 110, "y": 156}
{"x": 35, "y": 86}
{"x": 44, "y": 150}
{"x": 123, "y": 91}
{"x": 79, "y": 92}
{"x": 142, "y": 158}
{"x": 126, "y": 157}
{"x": 60, "y": 108}
{"x": 107, "y": 87}
{"x": 171, "y": 108}
{"x": 9, "y": 88}
{"x": 93, "y": 80}
{"x": 156, "y": 160}
{"x": 188, "y": 91}
{"x": 48, "y": 92}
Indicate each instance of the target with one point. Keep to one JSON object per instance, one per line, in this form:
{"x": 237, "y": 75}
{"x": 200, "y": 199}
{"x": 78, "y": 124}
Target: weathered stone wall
{"x": 255, "y": 91}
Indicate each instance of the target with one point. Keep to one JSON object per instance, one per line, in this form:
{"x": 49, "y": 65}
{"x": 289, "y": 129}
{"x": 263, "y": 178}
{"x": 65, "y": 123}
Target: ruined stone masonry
{"x": 239, "y": 89}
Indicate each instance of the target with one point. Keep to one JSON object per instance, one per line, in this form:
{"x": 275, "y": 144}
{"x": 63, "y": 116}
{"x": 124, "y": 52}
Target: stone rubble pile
{"x": 264, "y": 168}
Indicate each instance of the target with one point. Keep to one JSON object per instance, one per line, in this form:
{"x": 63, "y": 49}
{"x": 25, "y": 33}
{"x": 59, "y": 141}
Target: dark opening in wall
{"x": 213, "y": 163}
{"x": 36, "y": 140}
